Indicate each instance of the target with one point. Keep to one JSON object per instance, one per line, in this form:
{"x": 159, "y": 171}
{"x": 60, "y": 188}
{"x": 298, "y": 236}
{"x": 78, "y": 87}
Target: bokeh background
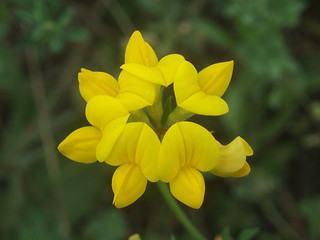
{"x": 274, "y": 101}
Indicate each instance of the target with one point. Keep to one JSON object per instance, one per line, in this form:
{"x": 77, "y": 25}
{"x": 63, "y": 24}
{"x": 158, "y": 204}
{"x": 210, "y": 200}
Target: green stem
{"x": 193, "y": 231}
{"x": 155, "y": 111}
{"x": 178, "y": 114}
{"x": 139, "y": 116}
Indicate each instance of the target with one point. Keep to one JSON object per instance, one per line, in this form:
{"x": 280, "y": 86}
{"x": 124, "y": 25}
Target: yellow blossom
{"x": 186, "y": 149}
{"x": 144, "y": 63}
{"x": 104, "y": 113}
{"x": 134, "y": 93}
{"x": 232, "y": 159}
{"x": 201, "y": 93}
{"x": 136, "y": 153}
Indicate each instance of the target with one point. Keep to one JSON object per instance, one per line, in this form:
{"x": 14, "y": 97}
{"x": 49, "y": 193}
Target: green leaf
{"x": 36, "y": 225}
{"x": 66, "y": 17}
{"x": 248, "y": 234}
{"x": 226, "y": 234}
{"x": 310, "y": 211}
{"x": 213, "y": 32}
{"x": 77, "y": 34}
{"x": 56, "y": 44}
{"x": 110, "y": 225}
{"x": 25, "y": 16}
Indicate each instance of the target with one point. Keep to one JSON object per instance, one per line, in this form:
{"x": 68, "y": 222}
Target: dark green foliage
{"x": 246, "y": 234}
{"x": 274, "y": 101}
{"x": 48, "y": 23}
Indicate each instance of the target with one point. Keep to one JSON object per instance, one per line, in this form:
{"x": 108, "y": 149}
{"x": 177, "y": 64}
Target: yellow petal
{"x": 190, "y": 97}
{"x": 137, "y": 144}
{"x": 135, "y": 93}
{"x": 186, "y": 144}
{"x": 204, "y": 104}
{"x": 125, "y": 147}
{"x": 232, "y": 159}
{"x": 247, "y": 147}
{"x": 96, "y": 83}
{"x": 101, "y": 110}
{"x": 148, "y": 152}
{"x": 244, "y": 171}
{"x": 188, "y": 187}
{"x": 132, "y": 101}
{"x": 185, "y": 82}
{"x": 128, "y": 184}
{"x": 110, "y": 135}
{"x": 172, "y": 149}
{"x": 139, "y": 51}
{"x": 214, "y": 80}
{"x": 168, "y": 66}
{"x": 135, "y": 236}
{"x": 80, "y": 145}
{"x": 163, "y": 74}
{"x": 150, "y": 74}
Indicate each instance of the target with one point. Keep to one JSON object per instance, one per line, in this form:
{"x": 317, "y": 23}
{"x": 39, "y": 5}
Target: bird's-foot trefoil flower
{"x": 135, "y": 152}
{"x": 186, "y": 149}
{"x": 105, "y": 114}
{"x": 142, "y": 62}
{"x": 232, "y": 159}
{"x": 201, "y": 92}
{"x": 134, "y": 93}
{"x": 156, "y": 143}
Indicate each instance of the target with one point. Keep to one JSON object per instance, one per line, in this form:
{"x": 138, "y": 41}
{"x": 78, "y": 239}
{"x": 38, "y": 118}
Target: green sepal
{"x": 166, "y": 110}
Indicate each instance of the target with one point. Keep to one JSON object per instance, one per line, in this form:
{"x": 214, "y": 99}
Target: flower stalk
{"x": 174, "y": 206}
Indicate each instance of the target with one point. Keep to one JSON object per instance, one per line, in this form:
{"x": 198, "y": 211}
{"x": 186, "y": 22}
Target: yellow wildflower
{"x": 232, "y": 159}
{"x": 186, "y": 149}
{"x": 144, "y": 63}
{"x": 136, "y": 153}
{"x": 134, "y": 93}
{"x": 201, "y": 93}
{"x": 104, "y": 113}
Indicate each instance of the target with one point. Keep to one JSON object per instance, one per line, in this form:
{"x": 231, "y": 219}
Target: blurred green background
{"x": 274, "y": 101}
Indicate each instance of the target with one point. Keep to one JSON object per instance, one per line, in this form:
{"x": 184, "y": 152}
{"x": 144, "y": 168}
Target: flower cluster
{"x": 147, "y": 140}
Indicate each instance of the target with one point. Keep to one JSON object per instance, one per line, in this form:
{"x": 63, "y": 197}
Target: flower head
{"x": 131, "y": 131}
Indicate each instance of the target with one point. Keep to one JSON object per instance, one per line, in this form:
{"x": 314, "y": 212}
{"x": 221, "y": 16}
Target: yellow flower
{"x": 105, "y": 114}
{"x": 201, "y": 93}
{"x": 186, "y": 149}
{"x": 136, "y": 153}
{"x": 232, "y": 159}
{"x": 131, "y": 91}
{"x": 139, "y": 51}
{"x": 142, "y": 62}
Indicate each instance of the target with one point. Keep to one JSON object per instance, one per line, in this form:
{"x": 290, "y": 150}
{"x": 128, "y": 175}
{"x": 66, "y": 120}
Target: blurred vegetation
{"x": 274, "y": 101}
